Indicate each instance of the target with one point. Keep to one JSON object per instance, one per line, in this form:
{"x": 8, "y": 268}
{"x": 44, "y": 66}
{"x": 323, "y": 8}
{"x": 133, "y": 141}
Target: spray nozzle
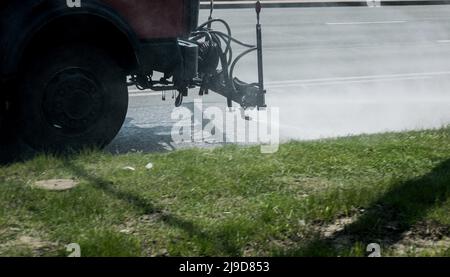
{"x": 258, "y": 8}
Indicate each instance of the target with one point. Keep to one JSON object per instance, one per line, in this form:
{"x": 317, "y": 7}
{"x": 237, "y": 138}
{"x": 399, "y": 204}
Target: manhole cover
{"x": 56, "y": 184}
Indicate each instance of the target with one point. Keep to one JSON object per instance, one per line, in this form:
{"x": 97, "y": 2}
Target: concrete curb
{"x": 325, "y": 3}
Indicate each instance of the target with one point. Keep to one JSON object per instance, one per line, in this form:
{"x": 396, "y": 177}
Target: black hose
{"x": 227, "y": 26}
{"x": 233, "y": 65}
{"x": 179, "y": 99}
{"x": 234, "y": 40}
{"x": 226, "y": 57}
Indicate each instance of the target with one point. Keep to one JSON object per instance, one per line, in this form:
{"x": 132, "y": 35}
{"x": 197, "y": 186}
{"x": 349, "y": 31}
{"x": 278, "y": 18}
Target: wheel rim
{"x": 73, "y": 101}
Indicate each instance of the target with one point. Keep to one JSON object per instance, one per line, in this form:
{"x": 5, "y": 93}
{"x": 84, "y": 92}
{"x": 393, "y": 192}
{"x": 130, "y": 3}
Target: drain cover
{"x": 56, "y": 184}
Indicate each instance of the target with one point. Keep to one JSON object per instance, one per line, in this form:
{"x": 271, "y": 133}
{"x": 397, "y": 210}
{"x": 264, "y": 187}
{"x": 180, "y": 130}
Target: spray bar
{"x": 216, "y": 66}
{"x": 215, "y": 48}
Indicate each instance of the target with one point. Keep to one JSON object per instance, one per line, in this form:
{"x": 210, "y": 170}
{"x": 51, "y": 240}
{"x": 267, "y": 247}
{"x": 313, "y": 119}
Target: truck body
{"x": 138, "y": 30}
{"x": 64, "y": 69}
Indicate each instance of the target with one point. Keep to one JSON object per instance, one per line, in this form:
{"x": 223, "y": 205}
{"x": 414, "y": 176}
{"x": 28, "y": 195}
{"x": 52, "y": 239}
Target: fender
{"x": 21, "y": 20}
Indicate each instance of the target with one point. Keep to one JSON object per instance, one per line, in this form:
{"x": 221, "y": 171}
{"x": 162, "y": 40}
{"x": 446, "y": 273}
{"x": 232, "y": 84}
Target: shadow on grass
{"x": 388, "y": 218}
{"x": 209, "y": 240}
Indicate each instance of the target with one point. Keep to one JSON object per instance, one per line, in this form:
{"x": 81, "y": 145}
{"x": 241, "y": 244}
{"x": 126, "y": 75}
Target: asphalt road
{"x": 330, "y": 71}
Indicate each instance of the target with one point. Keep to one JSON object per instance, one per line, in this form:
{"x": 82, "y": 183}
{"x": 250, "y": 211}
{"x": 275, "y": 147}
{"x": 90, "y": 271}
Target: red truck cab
{"x": 158, "y": 18}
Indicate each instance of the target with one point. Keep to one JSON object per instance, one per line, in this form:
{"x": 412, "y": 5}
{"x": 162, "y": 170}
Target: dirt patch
{"x": 30, "y": 242}
{"x": 34, "y": 245}
{"x": 328, "y": 231}
{"x": 424, "y": 237}
{"x": 303, "y": 186}
{"x": 429, "y": 229}
{"x": 334, "y": 232}
{"x": 133, "y": 225}
{"x": 420, "y": 247}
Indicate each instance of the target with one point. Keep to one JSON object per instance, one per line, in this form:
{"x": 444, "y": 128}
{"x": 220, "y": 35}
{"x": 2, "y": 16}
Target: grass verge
{"x": 320, "y": 198}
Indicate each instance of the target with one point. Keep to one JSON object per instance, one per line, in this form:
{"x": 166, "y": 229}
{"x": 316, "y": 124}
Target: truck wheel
{"x": 72, "y": 98}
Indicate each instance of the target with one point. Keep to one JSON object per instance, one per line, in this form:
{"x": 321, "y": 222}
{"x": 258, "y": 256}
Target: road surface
{"x": 330, "y": 71}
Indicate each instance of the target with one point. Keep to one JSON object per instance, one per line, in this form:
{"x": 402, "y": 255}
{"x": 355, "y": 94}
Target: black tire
{"x": 73, "y": 97}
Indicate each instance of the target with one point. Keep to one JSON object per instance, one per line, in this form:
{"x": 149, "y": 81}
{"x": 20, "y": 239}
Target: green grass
{"x": 235, "y": 201}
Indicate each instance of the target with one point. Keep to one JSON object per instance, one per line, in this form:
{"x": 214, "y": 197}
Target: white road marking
{"x": 366, "y": 22}
{"x": 357, "y": 79}
{"x": 346, "y": 82}
{"x": 443, "y": 41}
